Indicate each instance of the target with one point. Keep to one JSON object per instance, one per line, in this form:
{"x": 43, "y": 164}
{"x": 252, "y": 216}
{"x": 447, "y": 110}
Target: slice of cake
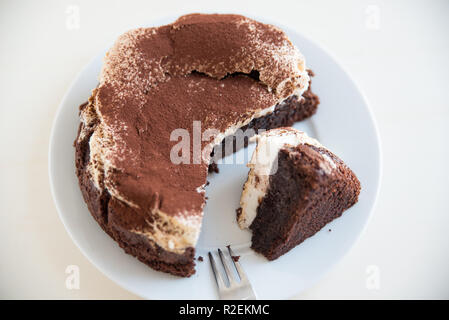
{"x": 295, "y": 187}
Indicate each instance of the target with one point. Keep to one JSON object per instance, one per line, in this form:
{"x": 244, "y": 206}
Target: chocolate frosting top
{"x": 157, "y": 80}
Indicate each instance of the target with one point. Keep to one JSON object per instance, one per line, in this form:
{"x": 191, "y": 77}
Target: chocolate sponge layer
{"x": 301, "y": 199}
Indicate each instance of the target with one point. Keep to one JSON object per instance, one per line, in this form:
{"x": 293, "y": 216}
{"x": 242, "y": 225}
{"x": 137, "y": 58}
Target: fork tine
{"x": 237, "y": 265}
{"x": 217, "y": 274}
{"x": 228, "y": 272}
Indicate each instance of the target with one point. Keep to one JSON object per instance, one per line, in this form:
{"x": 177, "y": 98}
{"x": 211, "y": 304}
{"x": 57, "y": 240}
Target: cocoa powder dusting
{"x": 157, "y": 80}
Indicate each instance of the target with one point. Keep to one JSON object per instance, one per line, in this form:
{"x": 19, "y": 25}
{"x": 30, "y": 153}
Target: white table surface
{"x": 398, "y": 53}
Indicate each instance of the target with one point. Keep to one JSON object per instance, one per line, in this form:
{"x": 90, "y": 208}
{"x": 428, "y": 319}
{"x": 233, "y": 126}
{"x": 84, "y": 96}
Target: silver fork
{"x": 241, "y": 290}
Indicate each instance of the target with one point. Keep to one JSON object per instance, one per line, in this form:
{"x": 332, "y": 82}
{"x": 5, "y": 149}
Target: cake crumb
{"x": 200, "y": 258}
{"x": 330, "y": 230}
{"x": 213, "y": 167}
{"x": 238, "y": 212}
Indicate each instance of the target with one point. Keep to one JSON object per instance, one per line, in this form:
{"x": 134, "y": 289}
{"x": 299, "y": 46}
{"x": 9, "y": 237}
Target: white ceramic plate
{"x": 343, "y": 123}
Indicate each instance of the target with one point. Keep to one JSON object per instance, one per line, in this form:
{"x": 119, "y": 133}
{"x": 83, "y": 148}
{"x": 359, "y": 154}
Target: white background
{"x": 397, "y": 51}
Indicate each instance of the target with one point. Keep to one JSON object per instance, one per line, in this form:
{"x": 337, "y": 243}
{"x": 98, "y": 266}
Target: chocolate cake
{"x": 199, "y": 80}
{"x": 295, "y": 187}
